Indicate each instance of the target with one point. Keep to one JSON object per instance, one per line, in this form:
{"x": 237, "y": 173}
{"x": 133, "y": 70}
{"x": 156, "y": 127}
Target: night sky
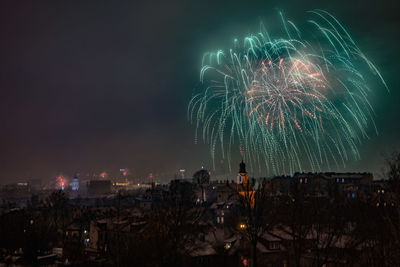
{"x": 92, "y": 86}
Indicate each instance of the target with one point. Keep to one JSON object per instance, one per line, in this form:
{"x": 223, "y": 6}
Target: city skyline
{"x": 92, "y": 88}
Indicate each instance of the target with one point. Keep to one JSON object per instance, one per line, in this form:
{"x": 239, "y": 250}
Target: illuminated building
{"x": 75, "y": 183}
{"x": 244, "y": 188}
{"x": 182, "y": 173}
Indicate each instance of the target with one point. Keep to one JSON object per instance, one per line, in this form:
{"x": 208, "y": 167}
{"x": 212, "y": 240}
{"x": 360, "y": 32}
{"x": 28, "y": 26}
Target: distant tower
{"x": 182, "y": 173}
{"x": 75, "y": 183}
{"x": 242, "y": 177}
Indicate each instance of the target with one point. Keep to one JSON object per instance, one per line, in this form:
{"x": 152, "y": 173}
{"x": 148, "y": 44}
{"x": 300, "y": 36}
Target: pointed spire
{"x": 242, "y": 167}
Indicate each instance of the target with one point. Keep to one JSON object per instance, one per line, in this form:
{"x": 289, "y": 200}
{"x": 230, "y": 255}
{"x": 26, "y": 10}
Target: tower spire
{"x": 242, "y": 167}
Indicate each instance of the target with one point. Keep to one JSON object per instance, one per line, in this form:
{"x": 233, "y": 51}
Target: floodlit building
{"x": 75, "y": 183}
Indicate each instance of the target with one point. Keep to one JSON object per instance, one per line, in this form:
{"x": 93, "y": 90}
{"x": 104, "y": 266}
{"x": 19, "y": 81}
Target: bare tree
{"x": 253, "y": 216}
{"x": 201, "y": 177}
{"x": 331, "y": 231}
{"x": 58, "y": 210}
{"x": 169, "y": 235}
{"x": 391, "y": 211}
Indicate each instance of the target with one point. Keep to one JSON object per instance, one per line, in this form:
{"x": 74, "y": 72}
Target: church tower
{"x": 75, "y": 183}
{"x": 242, "y": 177}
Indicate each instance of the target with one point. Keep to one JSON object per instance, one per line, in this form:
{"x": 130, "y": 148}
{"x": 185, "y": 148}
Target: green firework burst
{"x": 287, "y": 102}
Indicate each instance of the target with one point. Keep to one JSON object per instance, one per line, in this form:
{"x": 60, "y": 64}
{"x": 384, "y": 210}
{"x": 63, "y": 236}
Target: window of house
{"x": 228, "y": 245}
{"x": 274, "y": 245}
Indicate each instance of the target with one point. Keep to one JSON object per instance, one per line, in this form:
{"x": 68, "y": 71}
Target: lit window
{"x": 273, "y": 245}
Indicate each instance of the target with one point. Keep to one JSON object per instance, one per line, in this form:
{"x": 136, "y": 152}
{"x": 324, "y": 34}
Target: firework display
{"x": 287, "y": 103}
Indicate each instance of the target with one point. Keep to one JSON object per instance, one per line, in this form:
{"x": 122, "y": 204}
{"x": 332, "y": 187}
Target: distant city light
{"x": 228, "y": 246}
{"x": 75, "y": 184}
{"x": 61, "y": 182}
{"x": 124, "y": 171}
{"x": 182, "y": 172}
{"x": 122, "y": 183}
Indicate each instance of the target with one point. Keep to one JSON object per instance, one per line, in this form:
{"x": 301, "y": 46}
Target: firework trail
{"x": 289, "y": 102}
